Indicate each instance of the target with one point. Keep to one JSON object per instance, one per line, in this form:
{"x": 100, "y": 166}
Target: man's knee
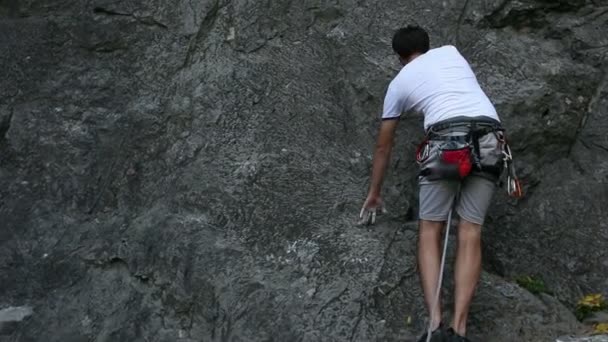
{"x": 469, "y": 231}
{"x": 431, "y": 229}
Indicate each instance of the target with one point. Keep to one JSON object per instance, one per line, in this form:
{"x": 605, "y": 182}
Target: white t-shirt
{"x": 439, "y": 84}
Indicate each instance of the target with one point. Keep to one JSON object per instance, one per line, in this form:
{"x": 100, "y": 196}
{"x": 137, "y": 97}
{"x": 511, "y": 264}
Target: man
{"x": 458, "y": 117}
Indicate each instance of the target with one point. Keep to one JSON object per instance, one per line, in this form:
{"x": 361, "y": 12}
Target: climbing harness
{"x": 453, "y": 150}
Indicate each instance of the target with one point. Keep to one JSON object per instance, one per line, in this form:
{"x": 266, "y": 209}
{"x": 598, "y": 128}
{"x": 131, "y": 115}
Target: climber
{"x": 460, "y": 162}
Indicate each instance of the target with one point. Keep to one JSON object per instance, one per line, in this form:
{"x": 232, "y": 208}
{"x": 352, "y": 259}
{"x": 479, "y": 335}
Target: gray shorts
{"x": 437, "y": 198}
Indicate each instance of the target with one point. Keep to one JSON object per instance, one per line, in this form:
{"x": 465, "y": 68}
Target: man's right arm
{"x": 382, "y": 153}
{"x": 384, "y": 144}
{"x": 391, "y": 112}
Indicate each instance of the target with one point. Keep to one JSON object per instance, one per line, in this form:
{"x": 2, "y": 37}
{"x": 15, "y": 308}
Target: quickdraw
{"x": 513, "y": 184}
{"x": 422, "y": 151}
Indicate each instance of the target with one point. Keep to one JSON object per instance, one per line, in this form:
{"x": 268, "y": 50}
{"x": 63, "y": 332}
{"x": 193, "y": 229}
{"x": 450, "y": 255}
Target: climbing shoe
{"x": 438, "y": 335}
{"x": 452, "y": 336}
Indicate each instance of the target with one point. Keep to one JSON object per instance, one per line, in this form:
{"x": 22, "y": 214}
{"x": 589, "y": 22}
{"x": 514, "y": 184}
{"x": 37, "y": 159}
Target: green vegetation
{"x": 533, "y": 284}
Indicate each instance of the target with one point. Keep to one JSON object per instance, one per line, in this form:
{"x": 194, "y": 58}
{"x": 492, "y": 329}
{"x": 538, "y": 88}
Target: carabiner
{"x": 514, "y": 187}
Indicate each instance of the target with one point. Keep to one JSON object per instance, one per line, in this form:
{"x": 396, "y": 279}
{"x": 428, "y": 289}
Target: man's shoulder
{"x": 400, "y": 80}
{"x": 444, "y": 50}
{"x": 411, "y": 72}
{"x": 432, "y": 57}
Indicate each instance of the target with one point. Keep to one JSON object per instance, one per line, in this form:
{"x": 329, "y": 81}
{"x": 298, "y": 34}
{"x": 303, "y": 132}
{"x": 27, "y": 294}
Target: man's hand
{"x": 373, "y": 204}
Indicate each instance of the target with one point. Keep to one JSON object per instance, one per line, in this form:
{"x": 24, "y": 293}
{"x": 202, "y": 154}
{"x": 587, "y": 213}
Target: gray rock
{"x": 11, "y": 317}
{"x": 597, "y": 317}
{"x": 192, "y": 170}
{"x": 14, "y": 314}
{"x": 596, "y": 338}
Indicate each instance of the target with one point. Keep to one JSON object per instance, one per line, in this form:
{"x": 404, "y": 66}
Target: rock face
{"x": 191, "y": 170}
{"x": 602, "y": 338}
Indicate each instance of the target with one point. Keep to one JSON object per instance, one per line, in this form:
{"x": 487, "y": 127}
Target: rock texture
{"x": 602, "y": 338}
{"x": 191, "y": 170}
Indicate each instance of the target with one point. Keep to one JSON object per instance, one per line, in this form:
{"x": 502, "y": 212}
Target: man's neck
{"x": 413, "y": 56}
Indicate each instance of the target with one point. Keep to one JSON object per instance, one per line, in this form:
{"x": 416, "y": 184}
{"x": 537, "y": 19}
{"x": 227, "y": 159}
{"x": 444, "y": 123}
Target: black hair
{"x": 409, "y": 40}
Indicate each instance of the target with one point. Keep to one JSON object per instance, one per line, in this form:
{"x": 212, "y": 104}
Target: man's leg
{"x": 466, "y": 272}
{"x": 429, "y": 259}
{"x": 475, "y": 197}
{"x": 436, "y": 199}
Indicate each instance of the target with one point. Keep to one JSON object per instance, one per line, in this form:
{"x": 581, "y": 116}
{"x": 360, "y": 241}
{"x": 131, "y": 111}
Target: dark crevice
{"x": 390, "y": 290}
{"x": 387, "y": 250}
{"x": 544, "y": 113}
{"x": 593, "y": 16}
{"x": 332, "y": 300}
{"x": 100, "y": 10}
{"x": 226, "y": 332}
{"x": 492, "y": 263}
{"x": 491, "y": 19}
{"x": 116, "y": 261}
{"x": 5, "y": 125}
{"x": 356, "y": 327}
{"x": 109, "y": 175}
{"x": 119, "y": 264}
{"x": 148, "y": 21}
{"x": 460, "y": 21}
{"x": 255, "y": 48}
{"x": 100, "y": 48}
{"x": 12, "y": 6}
{"x": 215, "y": 305}
{"x": 206, "y": 24}
{"x": 591, "y": 47}
{"x": 520, "y": 16}
{"x": 602, "y": 147}
{"x": 590, "y": 145}
{"x": 585, "y": 117}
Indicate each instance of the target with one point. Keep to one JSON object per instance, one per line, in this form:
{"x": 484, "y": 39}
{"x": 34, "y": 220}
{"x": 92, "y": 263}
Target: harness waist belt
{"x": 477, "y": 122}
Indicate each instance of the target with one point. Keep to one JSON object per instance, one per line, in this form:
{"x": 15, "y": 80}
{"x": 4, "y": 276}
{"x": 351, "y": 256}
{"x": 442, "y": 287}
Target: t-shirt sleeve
{"x": 393, "y": 104}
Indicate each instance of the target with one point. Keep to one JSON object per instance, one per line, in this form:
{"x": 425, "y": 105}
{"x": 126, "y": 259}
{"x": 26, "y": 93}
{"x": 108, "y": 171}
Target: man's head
{"x": 409, "y": 42}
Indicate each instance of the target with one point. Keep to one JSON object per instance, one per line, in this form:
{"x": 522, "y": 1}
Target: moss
{"x": 533, "y": 284}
